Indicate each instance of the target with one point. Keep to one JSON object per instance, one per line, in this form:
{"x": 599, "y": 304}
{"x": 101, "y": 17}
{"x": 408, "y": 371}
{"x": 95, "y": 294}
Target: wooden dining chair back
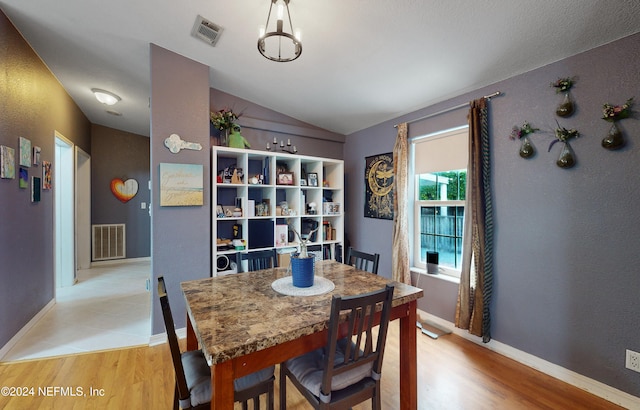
{"x": 258, "y": 260}
{"x": 193, "y": 375}
{"x": 347, "y": 370}
{"x": 362, "y": 260}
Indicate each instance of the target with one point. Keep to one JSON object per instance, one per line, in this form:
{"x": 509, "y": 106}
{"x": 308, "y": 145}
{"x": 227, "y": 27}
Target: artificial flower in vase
{"x": 566, "y": 107}
{"x": 567, "y": 158}
{"x": 613, "y": 113}
{"x": 526, "y": 147}
{"x": 223, "y": 120}
{"x": 302, "y": 264}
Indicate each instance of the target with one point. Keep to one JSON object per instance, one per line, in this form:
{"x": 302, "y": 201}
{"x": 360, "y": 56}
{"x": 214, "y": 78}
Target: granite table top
{"x": 238, "y": 314}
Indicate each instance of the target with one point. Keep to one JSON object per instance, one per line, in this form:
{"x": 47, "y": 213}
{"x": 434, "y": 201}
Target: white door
{"x": 83, "y": 209}
{"x": 63, "y": 186}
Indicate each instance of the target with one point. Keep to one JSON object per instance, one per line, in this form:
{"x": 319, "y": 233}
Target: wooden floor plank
{"x": 453, "y": 373}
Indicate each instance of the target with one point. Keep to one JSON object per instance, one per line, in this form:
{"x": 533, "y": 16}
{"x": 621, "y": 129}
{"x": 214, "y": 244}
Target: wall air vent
{"x": 206, "y": 31}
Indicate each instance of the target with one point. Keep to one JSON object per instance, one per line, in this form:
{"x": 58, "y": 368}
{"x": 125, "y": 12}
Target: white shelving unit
{"x": 259, "y": 229}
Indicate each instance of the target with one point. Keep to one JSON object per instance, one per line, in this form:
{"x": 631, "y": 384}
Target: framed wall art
{"x": 378, "y": 182}
{"x": 25, "y": 152}
{"x": 23, "y": 182}
{"x": 46, "y": 175}
{"x": 7, "y": 162}
{"x": 181, "y": 185}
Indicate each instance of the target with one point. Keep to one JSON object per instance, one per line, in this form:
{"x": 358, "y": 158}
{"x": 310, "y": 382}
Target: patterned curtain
{"x": 400, "y": 255}
{"x": 476, "y": 278}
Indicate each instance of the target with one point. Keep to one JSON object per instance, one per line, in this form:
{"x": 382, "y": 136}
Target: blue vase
{"x": 302, "y": 271}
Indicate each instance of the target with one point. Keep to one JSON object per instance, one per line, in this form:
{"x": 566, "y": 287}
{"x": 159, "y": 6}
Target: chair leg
{"x": 270, "y": 397}
{"x": 375, "y": 400}
{"x": 245, "y": 405}
{"x": 283, "y": 388}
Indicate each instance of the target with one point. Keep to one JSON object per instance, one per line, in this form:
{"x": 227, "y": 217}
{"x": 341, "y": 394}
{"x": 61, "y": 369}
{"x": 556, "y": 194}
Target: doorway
{"x": 83, "y": 209}
{"x": 63, "y": 184}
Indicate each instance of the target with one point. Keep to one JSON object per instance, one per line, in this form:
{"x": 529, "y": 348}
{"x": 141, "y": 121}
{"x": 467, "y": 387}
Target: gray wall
{"x": 181, "y": 235}
{"x": 120, "y": 154}
{"x": 260, "y": 125}
{"x": 32, "y": 105}
{"x": 566, "y": 241}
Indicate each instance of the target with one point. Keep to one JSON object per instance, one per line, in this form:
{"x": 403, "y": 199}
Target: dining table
{"x": 248, "y": 321}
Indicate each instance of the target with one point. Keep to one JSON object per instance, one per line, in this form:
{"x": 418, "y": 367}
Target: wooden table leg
{"x": 222, "y": 385}
{"x": 192, "y": 340}
{"x": 408, "y": 359}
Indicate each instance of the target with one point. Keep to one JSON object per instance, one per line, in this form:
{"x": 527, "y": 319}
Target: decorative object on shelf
{"x": 291, "y": 149}
{"x": 331, "y": 208}
{"x": 379, "y": 178}
{"x": 302, "y": 269}
{"x": 174, "y": 143}
{"x": 613, "y": 113}
{"x": 236, "y": 140}
{"x": 181, "y": 184}
{"x": 223, "y": 120}
{"x": 312, "y": 179}
{"x": 566, "y": 107}
{"x": 285, "y": 178}
{"x": 567, "y": 158}
{"x": 526, "y": 148}
{"x": 123, "y": 190}
{"x": 275, "y": 42}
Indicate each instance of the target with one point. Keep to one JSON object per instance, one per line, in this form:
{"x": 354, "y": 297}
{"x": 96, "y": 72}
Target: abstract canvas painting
{"x": 7, "y": 162}
{"x": 46, "y": 175}
{"x": 24, "y": 178}
{"x": 25, "y": 152}
{"x": 35, "y": 189}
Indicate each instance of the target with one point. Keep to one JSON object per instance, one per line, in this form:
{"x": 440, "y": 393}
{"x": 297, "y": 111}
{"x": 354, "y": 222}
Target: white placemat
{"x": 285, "y": 286}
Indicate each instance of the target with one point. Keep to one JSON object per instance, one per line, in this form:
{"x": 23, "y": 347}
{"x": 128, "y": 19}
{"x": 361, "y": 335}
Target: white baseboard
{"x": 161, "y": 338}
{"x": 12, "y": 342}
{"x": 594, "y": 387}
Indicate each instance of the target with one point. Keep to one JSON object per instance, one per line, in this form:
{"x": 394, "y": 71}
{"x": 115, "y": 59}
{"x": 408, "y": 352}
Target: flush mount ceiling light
{"x": 275, "y": 42}
{"x": 105, "y": 97}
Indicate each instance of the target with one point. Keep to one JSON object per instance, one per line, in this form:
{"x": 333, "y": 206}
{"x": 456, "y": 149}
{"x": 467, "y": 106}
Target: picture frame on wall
{"x": 312, "y": 179}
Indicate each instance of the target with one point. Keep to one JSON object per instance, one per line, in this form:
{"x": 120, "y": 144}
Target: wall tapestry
{"x": 378, "y": 182}
{"x": 181, "y": 184}
{"x": 124, "y": 190}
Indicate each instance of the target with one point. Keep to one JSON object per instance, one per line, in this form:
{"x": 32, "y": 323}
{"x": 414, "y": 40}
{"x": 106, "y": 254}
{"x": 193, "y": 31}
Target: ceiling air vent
{"x": 206, "y": 31}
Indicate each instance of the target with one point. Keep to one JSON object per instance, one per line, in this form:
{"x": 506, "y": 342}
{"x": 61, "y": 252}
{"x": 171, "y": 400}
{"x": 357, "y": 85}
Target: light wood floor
{"x": 453, "y": 373}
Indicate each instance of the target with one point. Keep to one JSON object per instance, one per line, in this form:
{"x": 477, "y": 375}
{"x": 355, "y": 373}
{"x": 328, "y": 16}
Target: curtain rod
{"x": 486, "y": 97}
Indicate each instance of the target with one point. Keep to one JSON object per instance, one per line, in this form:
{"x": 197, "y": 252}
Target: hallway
{"x": 108, "y": 308}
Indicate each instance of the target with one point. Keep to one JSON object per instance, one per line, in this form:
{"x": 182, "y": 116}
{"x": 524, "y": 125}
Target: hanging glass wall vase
{"x": 565, "y": 109}
{"x": 526, "y": 148}
{"x": 614, "y": 139}
{"x": 567, "y": 158}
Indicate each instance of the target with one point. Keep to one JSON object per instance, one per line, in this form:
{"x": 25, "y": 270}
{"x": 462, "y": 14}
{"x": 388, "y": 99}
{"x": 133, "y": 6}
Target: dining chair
{"x": 347, "y": 370}
{"x": 362, "y": 260}
{"x": 258, "y": 260}
{"x": 193, "y": 375}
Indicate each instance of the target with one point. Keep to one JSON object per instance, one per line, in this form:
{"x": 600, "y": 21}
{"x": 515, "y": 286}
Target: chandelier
{"x": 275, "y": 42}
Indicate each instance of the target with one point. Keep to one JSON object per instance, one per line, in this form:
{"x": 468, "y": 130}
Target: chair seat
{"x": 198, "y": 375}
{"x": 308, "y": 369}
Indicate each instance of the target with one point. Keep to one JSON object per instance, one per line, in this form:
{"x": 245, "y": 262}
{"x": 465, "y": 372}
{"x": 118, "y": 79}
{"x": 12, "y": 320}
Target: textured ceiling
{"x": 363, "y": 62}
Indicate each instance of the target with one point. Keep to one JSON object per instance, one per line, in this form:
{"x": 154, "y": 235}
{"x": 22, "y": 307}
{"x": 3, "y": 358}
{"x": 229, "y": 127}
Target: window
{"x": 440, "y": 175}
